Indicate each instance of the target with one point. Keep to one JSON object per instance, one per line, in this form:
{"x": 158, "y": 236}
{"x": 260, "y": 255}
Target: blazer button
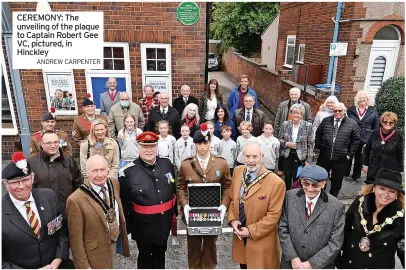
{"x": 305, "y": 232}
{"x": 158, "y": 190}
{"x": 303, "y": 247}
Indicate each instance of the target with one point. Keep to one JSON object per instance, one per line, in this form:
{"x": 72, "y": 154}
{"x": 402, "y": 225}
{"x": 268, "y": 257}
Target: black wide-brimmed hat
{"x": 390, "y": 179}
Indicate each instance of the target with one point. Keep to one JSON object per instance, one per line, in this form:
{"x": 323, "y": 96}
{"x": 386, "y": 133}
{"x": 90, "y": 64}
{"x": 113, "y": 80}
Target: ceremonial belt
{"x": 154, "y": 209}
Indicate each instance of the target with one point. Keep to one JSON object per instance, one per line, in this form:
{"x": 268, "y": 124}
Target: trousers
{"x": 338, "y": 170}
{"x": 151, "y": 256}
{"x": 202, "y": 252}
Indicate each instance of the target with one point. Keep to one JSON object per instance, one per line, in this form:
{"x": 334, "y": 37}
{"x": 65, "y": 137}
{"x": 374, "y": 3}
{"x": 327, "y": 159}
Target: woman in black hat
{"x": 375, "y": 224}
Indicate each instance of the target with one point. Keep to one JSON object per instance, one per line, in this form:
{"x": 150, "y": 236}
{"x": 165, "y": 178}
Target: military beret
{"x": 48, "y": 115}
{"x": 314, "y": 173}
{"x": 147, "y": 138}
{"x": 19, "y": 168}
{"x": 201, "y": 135}
{"x": 88, "y": 101}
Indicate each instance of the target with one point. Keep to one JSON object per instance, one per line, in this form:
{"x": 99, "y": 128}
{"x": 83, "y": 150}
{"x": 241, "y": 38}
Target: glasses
{"x": 335, "y": 111}
{"x": 388, "y": 122}
{"x": 51, "y": 143}
{"x": 308, "y": 184}
{"x": 15, "y": 184}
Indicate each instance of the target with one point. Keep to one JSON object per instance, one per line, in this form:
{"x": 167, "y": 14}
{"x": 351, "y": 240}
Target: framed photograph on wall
{"x": 60, "y": 91}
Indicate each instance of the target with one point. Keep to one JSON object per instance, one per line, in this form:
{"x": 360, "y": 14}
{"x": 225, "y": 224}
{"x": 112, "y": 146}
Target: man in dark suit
{"x": 251, "y": 114}
{"x": 164, "y": 112}
{"x": 181, "y": 102}
{"x": 33, "y": 234}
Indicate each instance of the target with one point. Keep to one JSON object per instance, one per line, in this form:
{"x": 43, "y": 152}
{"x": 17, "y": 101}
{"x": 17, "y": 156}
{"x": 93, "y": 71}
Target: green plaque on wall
{"x": 188, "y": 13}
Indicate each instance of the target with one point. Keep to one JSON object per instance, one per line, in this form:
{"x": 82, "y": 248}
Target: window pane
{"x": 378, "y": 70}
{"x": 119, "y": 64}
{"x": 301, "y": 53}
{"x": 161, "y": 65}
{"x": 151, "y": 65}
{"x": 151, "y": 53}
{"x": 6, "y": 119}
{"x": 108, "y": 64}
{"x": 387, "y": 33}
{"x": 290, "y": 55}
{"x": 118, "y": 52}
{"x": 107, "y": 52}
{"x": 291, "y": 40}
{"x": 161, "y": 53}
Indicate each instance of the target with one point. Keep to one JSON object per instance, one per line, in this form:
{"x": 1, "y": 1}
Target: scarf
{"x": 190, "y": 122}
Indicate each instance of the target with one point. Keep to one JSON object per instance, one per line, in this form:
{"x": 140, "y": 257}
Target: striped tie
{"x": 33, "y": 220}
{"x": 241, "y": 215}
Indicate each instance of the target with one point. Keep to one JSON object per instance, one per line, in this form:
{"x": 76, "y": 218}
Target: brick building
{"x": 144, "y": 43}
{"x": 375, "y": 35}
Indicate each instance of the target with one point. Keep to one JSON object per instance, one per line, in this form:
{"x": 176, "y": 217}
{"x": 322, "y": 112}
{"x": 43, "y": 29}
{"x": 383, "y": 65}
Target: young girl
{"x": 127, "y": 140}
{"x": 166, "y": 142}
{"x": 214, "y": 142}
{"x": 245, "y": 128}
{"x": 270, "y": 147}
{"x": 184, "y": 147}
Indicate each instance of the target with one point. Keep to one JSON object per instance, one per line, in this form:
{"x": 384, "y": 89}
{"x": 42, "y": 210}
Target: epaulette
{"x": 189, "y": 158}
{"x": 121, "y": 171}
{"x": 33, "y": 134}
{"x": 216, "y": 156}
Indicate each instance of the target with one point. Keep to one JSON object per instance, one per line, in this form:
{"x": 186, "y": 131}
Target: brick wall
{"x": 135, "y": 23}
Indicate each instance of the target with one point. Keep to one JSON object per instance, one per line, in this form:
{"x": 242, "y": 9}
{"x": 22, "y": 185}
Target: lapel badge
{"x": 42, "y": 208}
{"x": 62, "y": 143}
{"x": 169, "y": 178}
{"x": 217, "y": 173}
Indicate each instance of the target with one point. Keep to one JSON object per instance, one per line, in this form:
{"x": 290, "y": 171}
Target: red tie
{"x": 309, "y": 208}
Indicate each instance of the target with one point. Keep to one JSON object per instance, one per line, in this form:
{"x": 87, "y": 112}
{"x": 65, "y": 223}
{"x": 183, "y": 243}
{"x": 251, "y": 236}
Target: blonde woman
{"x": 375, "y": 225}
{"x": 99, "y": 143}
{"x": 127, "y": 141}
{"x": 326, "y": 109}
{"x": 367, "y": 119}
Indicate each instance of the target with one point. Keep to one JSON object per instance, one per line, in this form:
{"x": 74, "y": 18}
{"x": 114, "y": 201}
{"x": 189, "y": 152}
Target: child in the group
{"x": 245, "y": 128}
{"x": 166, "y": 142}
{"x": 184, "y": 147}
{"x": 214, "y": 142}
{"x": 270, "y": 147}
{"x": 228, "y": 147}
{"x": 126, "y": 139}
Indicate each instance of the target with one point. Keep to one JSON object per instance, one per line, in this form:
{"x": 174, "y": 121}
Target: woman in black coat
{"x": 368, "y": 120}
{"x": 209, "y": 101}
{"x": 384, "y": 148}
{"x": 374, "y": 225}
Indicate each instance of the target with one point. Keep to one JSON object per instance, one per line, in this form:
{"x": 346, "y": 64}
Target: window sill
{"x": 9, "y": 132}
{"x": 287, "y": 66}
{"x": 300, "y": 62}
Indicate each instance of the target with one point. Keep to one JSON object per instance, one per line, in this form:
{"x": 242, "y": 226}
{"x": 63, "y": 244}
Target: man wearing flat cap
{"x": 204, "y": 167}
{"x": 147, "y": 187}
{"x": 81, "y": 124}
{"x": 33, "y": 234}
{"x": 48, "y": 124}
{"x": 311, "y": 228}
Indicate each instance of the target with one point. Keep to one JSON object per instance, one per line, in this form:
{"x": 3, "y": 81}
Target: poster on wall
{"x": 160, "y": 83}
{"x": 60, "y": 92}
{"x": 100, "y": 85}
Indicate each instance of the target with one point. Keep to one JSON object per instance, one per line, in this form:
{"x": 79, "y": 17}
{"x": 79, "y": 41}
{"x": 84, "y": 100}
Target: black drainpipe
{"x": 208, "y": 16}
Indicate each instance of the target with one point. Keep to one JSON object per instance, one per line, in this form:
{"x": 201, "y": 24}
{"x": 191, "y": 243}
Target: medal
{"x": 364, "y": 244}
{"x": 382, "y": 142}
{"x": 111, "y": 215}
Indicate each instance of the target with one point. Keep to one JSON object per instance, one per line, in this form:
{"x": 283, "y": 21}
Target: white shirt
{"x": 166, "y": 147}
{"x": 214, "y": 145}
{"x": 246, "y": 112}
{"x": 314, "y": 201}
{"x": 23, "y": 210}
{"x": 339, "y": 124}
{"x": 161, "y": 109}
{"x": 98, "y": 191}
{"x": 228, "y": 150}
{"x": 241, "y": 142}
{"x": 203, "y": 161}
{"x": 211, "y": 107}
{"x": 295, "y": 131}
{"x": 183, "y": 151}
{"x": 270, "y": 147}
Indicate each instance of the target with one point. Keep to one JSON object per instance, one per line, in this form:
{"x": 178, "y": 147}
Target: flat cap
{"x": 147, "y": 138}
{"x": 314, "y": 173}
{"x": 19, "y": 168}
{"x": 201, "y": 135}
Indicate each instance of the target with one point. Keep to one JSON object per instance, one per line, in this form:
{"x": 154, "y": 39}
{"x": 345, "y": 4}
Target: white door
{"x": 382, "y": 59}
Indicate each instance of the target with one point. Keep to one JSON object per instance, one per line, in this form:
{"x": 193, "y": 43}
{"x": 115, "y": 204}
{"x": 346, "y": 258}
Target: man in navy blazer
{"x": 33, "y": 234}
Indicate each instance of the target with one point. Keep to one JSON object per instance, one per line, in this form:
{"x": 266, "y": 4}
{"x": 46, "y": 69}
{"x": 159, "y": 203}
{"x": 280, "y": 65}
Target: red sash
{"x": 154, "y": 209}
{"x": 85, "y": 123}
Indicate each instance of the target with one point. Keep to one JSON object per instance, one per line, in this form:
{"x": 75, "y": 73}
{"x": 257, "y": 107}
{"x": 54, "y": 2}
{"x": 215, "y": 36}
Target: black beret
{"x": 201, "y": 135}
{"x": 19, "y": 168}
{"x": 88, "y": 101}
{"x": 47, "y": 116}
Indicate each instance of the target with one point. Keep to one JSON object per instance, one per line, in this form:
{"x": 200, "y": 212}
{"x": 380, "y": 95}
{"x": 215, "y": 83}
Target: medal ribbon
{"x": 97, "y": 197}
{"x": 112, "y": 97}
{"x": 384, "y": 139}
{"x": 361, "y": 114}
{"x": 247, "y": 188}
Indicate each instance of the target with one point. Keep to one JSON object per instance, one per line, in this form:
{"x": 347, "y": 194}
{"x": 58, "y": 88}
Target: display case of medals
{"x": 204, "y": 218}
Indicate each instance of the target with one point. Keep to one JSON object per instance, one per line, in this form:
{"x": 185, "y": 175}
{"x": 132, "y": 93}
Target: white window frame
{"x": 8, "y": 131}
{"x": 126, "y": 73}
{"x": 168, "y": 72}
{"x": 286, "y": 49}
{"x": 301, "y": 47}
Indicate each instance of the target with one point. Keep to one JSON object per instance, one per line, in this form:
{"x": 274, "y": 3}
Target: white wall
{"x": 270, "y": 44}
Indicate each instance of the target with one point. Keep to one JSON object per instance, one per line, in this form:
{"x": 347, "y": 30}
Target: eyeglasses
{"x": 337, "y": 111}
{"x": 51, "y": 143}
{"x": 388, "y": 122}
{"x": 16, "y": 183}
{"x": 308, "y": 184}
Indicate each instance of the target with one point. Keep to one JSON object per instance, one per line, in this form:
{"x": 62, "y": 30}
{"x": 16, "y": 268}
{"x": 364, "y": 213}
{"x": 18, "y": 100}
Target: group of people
{"x": 137, "y": 160}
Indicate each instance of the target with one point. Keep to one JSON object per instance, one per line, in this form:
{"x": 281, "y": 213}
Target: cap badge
{"x": 20, "y": 161}
{"x": 148, "y": 136}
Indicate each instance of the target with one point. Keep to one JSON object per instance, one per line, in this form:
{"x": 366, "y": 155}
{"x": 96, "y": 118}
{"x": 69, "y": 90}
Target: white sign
{"x": 338, "y": 49}
{"x": 160, "y": 83}
{"x": 58, "y": 40}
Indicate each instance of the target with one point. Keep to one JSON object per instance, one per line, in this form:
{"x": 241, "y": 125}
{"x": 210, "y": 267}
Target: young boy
{"x": 214, "y": 143}
{"x": 228, "y": 147}
{"x": 270, "y": 147}
{"x": 166, "y": 142}
{"x": 184, "y": 147}
{"x": 245, "y": 128}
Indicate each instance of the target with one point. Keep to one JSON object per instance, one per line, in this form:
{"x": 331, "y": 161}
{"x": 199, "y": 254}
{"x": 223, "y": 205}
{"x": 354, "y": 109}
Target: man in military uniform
{"x": 204, "y": 167}
{"x": 81, "y": 124}
{"x": 48, "y": 124}
{"x": 147, "y": 187}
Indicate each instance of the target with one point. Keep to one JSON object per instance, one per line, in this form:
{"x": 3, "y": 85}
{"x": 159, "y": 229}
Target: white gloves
{"x": 186, "y": 211}
{"x": 223, "y": 210}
